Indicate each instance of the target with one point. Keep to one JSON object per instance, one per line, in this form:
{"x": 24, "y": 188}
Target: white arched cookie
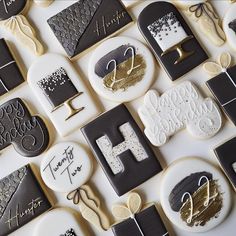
{"x": 195, "y": 195}
{"x": 43, "y": 3}
{"x": 61, "y": 92}
{"x": 229, "y": 25}
{"x": 58, "y": 222}
{"x": 121, "y": 69}
{"x": 178, "y": 108}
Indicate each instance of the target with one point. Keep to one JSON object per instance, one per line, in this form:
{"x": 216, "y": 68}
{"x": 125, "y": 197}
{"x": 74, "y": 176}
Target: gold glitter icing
{"x": 122, "y": 79}
{"x": 202, "y": 213}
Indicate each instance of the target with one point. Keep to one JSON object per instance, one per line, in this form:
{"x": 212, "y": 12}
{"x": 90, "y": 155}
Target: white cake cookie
{"x": 61, "y": 92}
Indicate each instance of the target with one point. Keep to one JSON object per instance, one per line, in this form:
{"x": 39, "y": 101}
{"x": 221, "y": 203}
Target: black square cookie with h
{"x": 87, "y": 22}
{"x": 121, "y": 149}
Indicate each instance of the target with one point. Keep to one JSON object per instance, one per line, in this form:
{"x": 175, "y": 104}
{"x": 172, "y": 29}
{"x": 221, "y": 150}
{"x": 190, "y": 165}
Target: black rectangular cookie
{"x": 171, "y": 39}
{"x": 10, "y": 74}
{"x": 225, "y": 154}
{"x": 21, "y": 200}
{"x": 87, "y": 22}
{"x": 223, "y": 88}
{"x": 149, "y": 221}
{"x": 121, "y": 149}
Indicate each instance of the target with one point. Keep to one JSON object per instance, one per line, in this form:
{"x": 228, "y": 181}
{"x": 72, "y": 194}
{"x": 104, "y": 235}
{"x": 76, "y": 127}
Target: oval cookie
{"x": 195, "y": 196}
{"x": 121, "y": 69}
{"x": 66, "y": 167}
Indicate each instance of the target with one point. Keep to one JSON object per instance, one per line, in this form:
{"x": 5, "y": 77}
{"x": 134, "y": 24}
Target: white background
{"x": 181, "y": 145}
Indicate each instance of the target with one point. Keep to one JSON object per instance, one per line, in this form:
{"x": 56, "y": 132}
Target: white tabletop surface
{"x": 180, "y": 145}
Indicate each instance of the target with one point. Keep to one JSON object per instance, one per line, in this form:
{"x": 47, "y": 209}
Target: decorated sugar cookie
{"x": 223, "y": 76}
{"x": 43, "y": 3}
{"x": 195, "y": 196}
{"x": 66, "y": 168}
{"x": 58, "y": 222}
{"x": 229, "y": 26}
{"x": 226, "y": 157}
{"x": 178, "y": 108}
{"x": 171, "y": 39}
{"x": 19, "y": 206}
{"x": 10, "y": 73}
{"x": 208, "y": 21}
{"x": 61, "y": 92}
{"x": 121, "y": 149}
{"x": 92, "y": 20}
{"x": 12, "y": 19}
{"x": 121, "y": 69}
{"x": 133, "y": 219}
{"x": 28, "y": 134}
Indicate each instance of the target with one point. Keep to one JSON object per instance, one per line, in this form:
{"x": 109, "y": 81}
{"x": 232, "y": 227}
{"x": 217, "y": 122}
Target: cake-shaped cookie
{"x": 121, "y": 149}
{"x": 195, "y": 195}
{"x": 86, "y": 23}
{"x": 61, "y": 92}
{"x": 171, "y": 39}
{"x": 121, "y": 69}
{"x": 179, "y": 107}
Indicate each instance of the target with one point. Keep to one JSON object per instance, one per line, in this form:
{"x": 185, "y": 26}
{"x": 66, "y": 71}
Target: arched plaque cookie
{"x": 61, "y": 92}
{"x": 195, "y": 195}
{"x": 66, "y": 168}
{"x": 121, "y": 69}
{"x": 229, "y": 25}
{"x": 28, "y": 134}
{"x": 207, "y": 19}
{"x": 171, "y": 39}
{"x": 58, "y": 222}
{"x": 179, "y": 107}
{"x": 12, "y": 19}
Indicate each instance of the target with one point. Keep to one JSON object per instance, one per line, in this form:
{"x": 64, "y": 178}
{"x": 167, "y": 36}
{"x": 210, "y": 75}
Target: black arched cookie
{"x": 9, "y": 8}
{"x": 28, "y": 134}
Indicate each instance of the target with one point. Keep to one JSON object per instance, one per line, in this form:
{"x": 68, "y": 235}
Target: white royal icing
{"x": 229, "y": 26}
{"x": 178, "y": 108}
{"x": 179, "y": 170}
{"x": 131, "y": 92}
{"x": 52, "y": 64}
{"x": 167, "y": 31}
{"x": 131, "y": 143}
{"x": 58, "y": 222}
{"x": 66, "y": 167}
{"x": 187, "y": 3}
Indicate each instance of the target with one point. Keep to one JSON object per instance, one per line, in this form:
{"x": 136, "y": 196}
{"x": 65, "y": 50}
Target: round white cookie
{"x": 66, "y": 167}
{"x": 121, "y": 69}
{"x": 229, "y": 26}
{"x": 58, "y": 222}
{"x": 195, "y": 196}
